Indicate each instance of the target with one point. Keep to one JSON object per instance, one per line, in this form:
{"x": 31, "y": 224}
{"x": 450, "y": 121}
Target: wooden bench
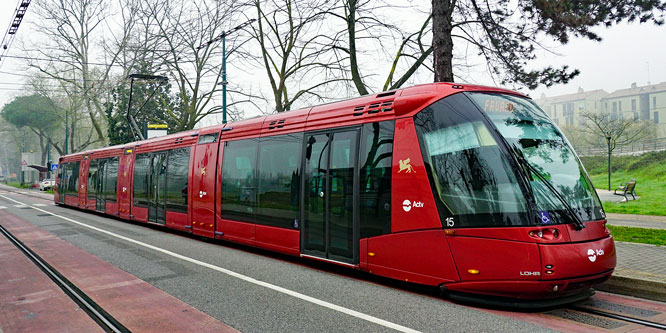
{"x": 627, "y": 188}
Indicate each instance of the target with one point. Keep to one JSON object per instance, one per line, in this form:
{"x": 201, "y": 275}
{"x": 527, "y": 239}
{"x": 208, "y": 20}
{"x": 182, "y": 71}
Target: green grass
{"x": 649, "y": 170}
{"x": 638, "y": 235}
{"x": 18, "y": 185}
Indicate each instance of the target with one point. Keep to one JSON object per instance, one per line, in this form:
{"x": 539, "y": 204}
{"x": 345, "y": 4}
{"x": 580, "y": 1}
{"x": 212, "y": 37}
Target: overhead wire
{"x": 14, "y": 23}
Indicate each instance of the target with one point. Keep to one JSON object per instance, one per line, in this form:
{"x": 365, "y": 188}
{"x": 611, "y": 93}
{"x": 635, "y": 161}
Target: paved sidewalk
{"x": 605, "y": 195}
{"x": 640, "y": 271}
{"x": 639, "y": 221}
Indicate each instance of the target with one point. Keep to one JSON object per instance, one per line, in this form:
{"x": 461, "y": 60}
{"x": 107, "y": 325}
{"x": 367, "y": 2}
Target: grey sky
{"x": 621, "y": 58}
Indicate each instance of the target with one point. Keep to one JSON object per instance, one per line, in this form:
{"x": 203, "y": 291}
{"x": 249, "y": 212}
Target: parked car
{"x": 46, "y": 184}
{"x": 3, "y": 179}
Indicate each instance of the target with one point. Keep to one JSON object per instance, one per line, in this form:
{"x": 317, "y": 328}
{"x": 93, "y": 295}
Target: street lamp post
{"x": 66, "y": 129}
{"x": 608, "y": 141}
{"x": 224, "y": 82}
{"x": 224, "y": 78}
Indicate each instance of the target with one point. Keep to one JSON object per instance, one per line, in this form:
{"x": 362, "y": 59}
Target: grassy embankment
{"x": 649, "y": 170}
{"x": 638, "y": 235}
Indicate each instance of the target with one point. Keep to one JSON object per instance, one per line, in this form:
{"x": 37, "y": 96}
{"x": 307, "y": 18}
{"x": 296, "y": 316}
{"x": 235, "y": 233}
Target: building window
{"x": 619, "y": 106}
{"x": 633, "y": 105}
{"x": 656, "y": 117}
{"x": 635, "y": 116}
{"x": 654, "y": 102}
{"x": 606, "y": 106}
{"x": 614, "y": 107}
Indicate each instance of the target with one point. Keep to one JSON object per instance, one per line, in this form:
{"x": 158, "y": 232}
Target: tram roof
{"x": 385, "y": 105}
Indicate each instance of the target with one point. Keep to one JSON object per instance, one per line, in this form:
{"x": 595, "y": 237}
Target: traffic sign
{"x": 54, "y": 167}
{"x": 24, "y": 163}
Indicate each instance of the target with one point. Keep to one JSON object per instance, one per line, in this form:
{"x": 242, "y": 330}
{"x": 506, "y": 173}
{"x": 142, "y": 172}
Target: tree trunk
{"x": 353, "y": 61}
{"x": 442, "y": 41}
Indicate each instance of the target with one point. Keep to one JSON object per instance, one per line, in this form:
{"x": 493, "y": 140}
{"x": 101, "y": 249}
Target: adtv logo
{"x": 407, "y": 205}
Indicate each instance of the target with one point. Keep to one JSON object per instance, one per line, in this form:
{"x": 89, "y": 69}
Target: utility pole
{"x": 22, "y": 151}
{"x": 608, "y": 141}
{"x": 224, "y": 82}
{"x": 66, "y": 129}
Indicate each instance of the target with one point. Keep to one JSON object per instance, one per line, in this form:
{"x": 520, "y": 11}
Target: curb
{"x": 634, "y": 287}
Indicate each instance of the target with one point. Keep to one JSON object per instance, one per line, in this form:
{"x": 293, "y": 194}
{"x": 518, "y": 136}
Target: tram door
{"x": 330, "y": 226}
{"x": 100, "y": 202}
{"x": 83, "y": 182}
{"x": 157, "y": 190}
{"x": 203, "y": 185}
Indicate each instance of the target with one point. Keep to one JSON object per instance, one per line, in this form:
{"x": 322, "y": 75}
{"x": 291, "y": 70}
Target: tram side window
{"x": 238, "y": 180}
{"x": 279, "y": 180}
{"x": 74, "y": 178}
{"x": 141, "y": 180}
{"x": 111, "y": 179}
{"x": 92, "y": 178}
{"x": 375, "y": 178}
{"x": 63, "y": 185}
{"x": 178, "y": 166}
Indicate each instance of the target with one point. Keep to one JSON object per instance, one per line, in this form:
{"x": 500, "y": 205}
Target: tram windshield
{"x": 526, "y": 127}
{"x": 475, "y": 178}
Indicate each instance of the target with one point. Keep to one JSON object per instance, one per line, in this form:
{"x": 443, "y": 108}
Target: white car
{"x": 46, "y": 184}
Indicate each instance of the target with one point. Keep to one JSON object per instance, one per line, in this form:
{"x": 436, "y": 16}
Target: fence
{"x": 635, "y": 148}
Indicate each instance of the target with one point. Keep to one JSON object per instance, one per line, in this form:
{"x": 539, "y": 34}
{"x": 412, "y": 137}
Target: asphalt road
{"x": 256, "y": 291}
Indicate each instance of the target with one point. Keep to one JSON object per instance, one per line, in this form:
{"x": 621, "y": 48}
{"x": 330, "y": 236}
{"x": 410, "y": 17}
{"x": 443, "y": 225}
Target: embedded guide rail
{"x": 101, "y": 317}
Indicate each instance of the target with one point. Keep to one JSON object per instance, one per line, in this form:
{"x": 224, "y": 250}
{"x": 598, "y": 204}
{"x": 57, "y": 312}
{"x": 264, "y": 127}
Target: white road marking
{"x": 39, "y": 205}
{"x": 271, "y": 286}
{"x": 19, "y": 206}
{"x": 3, "y": 207}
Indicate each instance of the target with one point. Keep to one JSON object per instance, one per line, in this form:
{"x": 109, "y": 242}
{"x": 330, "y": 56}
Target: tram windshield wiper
{"x": 578, "y": 223}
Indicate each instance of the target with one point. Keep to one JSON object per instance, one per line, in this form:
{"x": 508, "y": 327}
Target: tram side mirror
{"x": 308, "y": 150}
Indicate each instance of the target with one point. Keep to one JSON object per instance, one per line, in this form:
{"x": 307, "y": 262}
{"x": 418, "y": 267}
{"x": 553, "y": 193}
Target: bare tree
{"x": 616, "y": 131}
{"x": 295, "y": 53}
{"x": 366, "y": 31}
{"x": 72, "y": 28}
{"x": 174, "y": 30}
{"x": 507, "y": 33}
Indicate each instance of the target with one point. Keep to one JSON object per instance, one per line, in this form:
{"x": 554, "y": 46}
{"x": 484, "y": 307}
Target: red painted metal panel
{"x": 241, "y": 232}
{"x": 495, "y": 259}
{"x": 278, "y": 239}
{"x": 83, "y": 182}
{"x": 282, "y": 123}
{"x": 419, "y": 256}
{"x": 92, "y": 204}
{"x": 112, "y": 208}
{"x": 412, "y": 200}
{"x": 520, "y": 234}
{"x": 351, "y": 112}
{"x": 530, "y": 289}
{"x": 578, "y": 259}
{"x": 139, "y": 214}
{"x": 202, "y": 195}
{"x": 593, "y": 230}
{"x": 125, "y": 170}
{"x": 71, "y": 200}
{"x": 178, "y": 221}
{"x": 363, "y": 254}
{"x": 248, "y": 128}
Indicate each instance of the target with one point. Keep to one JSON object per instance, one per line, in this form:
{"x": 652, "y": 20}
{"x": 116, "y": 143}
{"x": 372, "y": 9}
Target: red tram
{"x": 469, "y": 188}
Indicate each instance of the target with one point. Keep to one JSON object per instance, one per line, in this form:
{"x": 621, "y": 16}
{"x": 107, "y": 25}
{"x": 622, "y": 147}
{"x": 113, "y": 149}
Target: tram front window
{"x": 527, "y": 129}
{"x": 472, "y": 178}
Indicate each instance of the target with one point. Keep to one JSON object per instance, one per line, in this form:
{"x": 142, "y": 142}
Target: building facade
{"x": 565, "y": 110}
{"x": 637, "y": 103}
